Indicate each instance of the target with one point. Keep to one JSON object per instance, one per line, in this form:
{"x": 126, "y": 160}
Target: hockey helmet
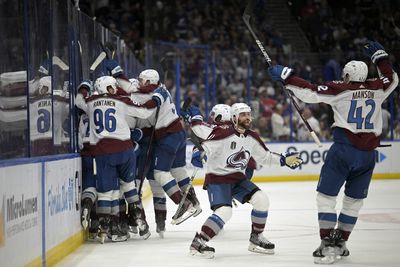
{"x": 44, "y": 86}
{"x": 355, "y": 71}
{"x": 238, "y": 108}
{"x": 221, "y": 113}
{"x": 150, "y": 75}
{"x": 86, "y": 84}
{"x": 103, "y": 83}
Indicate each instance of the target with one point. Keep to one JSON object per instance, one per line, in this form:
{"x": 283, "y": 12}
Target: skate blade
{"x": 258, "y": 249}
{"x": 198, "y": 211}
{"x": 324, "y": 260}
{"x": 204, "y": 255}
{"x": 189, "y": 213}
{"x": 145, "y": 236}
{"x": 117, "y": 238}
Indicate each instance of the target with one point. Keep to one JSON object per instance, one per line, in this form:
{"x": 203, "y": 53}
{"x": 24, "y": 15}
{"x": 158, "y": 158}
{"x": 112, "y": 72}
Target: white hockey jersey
{"x": 40, "y": 118}
{"x": 109, "y": 130}
{"x": 229, "y": 152}
{"x": 168, "y": 120}
{"x": 356, "y": 106}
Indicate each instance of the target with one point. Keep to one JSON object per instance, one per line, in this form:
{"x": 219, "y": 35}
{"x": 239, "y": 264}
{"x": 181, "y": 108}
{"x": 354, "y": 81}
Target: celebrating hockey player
{"x": 356, "y": 103}
{"x": 170, "y": 144}
{"x": 228, "y": 149}
{"x": 114, "y": 153}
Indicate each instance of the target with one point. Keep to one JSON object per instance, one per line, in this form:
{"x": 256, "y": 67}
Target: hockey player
{"x": 356, "y": 103}
{"x": 40, "y": 119}
{"x": 169, "y": 146}
{"x": 114, "y": 153}
{"x": 229, "y": 148}
{"x": 89, "y": 193}
{"x": 219, "y": 114}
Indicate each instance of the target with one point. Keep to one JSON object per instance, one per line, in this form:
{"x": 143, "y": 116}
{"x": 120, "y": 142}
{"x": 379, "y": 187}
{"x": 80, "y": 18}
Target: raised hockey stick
{"x": 246, "y": 18}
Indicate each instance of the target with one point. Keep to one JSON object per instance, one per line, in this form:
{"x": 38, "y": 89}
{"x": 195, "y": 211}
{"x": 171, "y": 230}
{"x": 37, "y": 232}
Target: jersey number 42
{"x": 356, "y": 114}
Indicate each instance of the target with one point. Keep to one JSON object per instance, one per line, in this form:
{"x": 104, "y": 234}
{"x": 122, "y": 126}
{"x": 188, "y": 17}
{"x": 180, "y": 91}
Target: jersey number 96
{"x": 105, "y": 121}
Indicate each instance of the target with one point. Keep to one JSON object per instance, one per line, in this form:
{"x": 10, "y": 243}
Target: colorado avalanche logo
{"x": 238, "y": 160}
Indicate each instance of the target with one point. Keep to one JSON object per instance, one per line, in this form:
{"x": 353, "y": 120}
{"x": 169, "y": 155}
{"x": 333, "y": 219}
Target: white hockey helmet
{"x": 221, "y": 113}
{"x": 150, "y": 75}
{"x": 103, "y": 83}
{"x": 356, "y": 71}
{"x": 44, "y": 86}
{"x": 238, "y": 108}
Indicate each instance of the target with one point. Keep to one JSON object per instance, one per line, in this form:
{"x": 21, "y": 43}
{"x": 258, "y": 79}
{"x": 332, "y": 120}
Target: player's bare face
{"x": 244, "y": 120}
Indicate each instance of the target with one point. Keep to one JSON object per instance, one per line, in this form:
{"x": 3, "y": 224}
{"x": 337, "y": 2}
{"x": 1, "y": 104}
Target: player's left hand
{"x": 279, "y": 73}
{"x": 291, "y": 159}
{"x": 113, "y": 67}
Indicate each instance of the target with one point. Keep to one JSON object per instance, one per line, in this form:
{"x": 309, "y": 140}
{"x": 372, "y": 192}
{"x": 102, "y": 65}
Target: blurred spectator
{"x": 302, "y": 132}
{"x": 280, "y": 131}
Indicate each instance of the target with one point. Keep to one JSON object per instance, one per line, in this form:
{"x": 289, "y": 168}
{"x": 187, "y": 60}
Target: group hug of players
{"x": 130, "y": 130}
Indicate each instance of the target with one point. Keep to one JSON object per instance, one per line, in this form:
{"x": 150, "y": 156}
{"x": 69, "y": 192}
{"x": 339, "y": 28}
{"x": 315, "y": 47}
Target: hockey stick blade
{"x": 98, "y": 60}
{"x": 58, "y": 61}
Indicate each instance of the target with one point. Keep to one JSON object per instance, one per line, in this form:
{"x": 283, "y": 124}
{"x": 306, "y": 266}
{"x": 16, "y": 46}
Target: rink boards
{"x": 39, "y": 198}
{"x": 39, "y": 210}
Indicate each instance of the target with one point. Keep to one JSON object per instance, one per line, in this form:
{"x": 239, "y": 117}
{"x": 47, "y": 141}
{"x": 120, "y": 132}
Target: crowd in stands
{"x": 335, "y": 29}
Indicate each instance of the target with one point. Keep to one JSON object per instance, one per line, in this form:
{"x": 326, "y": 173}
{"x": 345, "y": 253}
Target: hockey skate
{"x": 104, "y": 229}
{"x": 196, "y": 203}
{"x": 117, "y": 233}
{"x": 94, "y": 229}
{"x": 86, "y": 207}
{"x": 325, "y": 253}
{"x": 184, "y": 211}
{"x": 199, "y": 248}
{"x": 259, "y": 244}
{"x": 160, "y": 224}
{"x": 136, "y": 218}
{"x": 340, "y": 245}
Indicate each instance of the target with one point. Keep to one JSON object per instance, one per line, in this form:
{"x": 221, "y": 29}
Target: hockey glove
{"x": 136, "y": 134}
{"x": 375, "y": 51}
{"x": 160, "y": 95}
{"x": 113, "y": 67}
{"x": 291, "y": 159}
{"x": 198, "y": 157}
{"x": 192, "y": 113}
{"x": 279, "y": 73}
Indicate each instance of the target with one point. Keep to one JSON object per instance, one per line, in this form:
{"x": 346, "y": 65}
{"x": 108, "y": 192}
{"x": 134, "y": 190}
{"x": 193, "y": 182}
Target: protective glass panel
{"x": 13, "y": 85}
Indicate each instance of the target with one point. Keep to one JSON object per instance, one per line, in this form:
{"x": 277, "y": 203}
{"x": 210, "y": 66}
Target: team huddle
{"x": 130, "y": 130}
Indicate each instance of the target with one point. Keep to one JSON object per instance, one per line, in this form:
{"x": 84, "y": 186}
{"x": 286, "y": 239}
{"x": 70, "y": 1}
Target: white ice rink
{"x": 292, "y": 226}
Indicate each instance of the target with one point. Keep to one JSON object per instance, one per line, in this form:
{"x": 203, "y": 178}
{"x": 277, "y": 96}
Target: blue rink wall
{"x": 39, "y": 198}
